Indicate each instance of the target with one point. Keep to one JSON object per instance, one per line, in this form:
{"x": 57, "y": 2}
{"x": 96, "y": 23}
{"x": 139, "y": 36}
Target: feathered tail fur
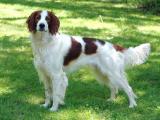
{"x": 137, "y": 55}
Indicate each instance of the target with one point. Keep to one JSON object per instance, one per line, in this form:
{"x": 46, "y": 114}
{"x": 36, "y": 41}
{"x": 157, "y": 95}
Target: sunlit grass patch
{"x": 150, "y": 29}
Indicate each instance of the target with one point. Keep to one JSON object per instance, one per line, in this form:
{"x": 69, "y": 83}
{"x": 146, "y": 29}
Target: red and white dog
{"x": 56, "y": 53}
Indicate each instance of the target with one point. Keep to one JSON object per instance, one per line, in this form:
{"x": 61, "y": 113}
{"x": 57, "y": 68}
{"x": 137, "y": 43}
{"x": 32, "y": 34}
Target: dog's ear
{"x": 53, "y": 23}
{"x": 32, "y": 21}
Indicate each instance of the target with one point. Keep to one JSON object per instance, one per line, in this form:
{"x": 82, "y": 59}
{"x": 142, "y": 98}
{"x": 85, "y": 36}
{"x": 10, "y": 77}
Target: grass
{"x": 20, "y": 90}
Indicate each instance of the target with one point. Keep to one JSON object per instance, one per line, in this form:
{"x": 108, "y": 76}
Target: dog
{"x": 56, "y": 53}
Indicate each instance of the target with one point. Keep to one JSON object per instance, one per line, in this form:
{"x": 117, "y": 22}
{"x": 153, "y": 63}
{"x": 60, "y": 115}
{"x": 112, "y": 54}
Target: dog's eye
{"x": 38, "y": 17}
{"x": 48, "y": 19}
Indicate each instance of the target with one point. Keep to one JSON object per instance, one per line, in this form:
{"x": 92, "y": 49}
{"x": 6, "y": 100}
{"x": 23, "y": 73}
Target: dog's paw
{"x": 111, "y": 99}
{"x": 132, "y": 105}
{"x": 54, "y": 108}
{"x": 45, "y": 105}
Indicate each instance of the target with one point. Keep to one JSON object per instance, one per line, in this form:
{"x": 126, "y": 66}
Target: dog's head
{"x": 44, "y": 21}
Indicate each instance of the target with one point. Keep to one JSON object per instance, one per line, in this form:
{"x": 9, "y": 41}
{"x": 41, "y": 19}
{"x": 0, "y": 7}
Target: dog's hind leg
{"x": 114, "y": 92}
{"x": 122, "y": 83}
{"x": 103, "y": 79}
{"x": 116, "y": 76}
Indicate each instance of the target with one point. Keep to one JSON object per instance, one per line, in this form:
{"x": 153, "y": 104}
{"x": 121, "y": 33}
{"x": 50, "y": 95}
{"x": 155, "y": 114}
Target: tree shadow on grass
{"x": 84, "y": 31}
{"x": 12, "y": 18}
{"x": 12, "y": 42}
{"x": 90, "y": 10}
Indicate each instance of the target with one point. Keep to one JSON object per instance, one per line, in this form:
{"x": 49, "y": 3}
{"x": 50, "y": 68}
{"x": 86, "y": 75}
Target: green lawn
{"x": 20, "y": 90}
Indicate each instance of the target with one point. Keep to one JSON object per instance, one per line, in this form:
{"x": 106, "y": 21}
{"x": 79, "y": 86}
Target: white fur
{"x": 42, "y": 20}
{"x": 109, "y": 65}
{"x": 137, "y": 55}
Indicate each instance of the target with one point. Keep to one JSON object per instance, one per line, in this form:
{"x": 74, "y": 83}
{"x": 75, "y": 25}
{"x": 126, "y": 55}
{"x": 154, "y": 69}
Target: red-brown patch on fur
{"x": 90, "y": 46}
{"x": 53, "y": 22}
{"x": 119, "y": 48}
{"x": 74, "y": 52}
{"x": 32, "y": 20}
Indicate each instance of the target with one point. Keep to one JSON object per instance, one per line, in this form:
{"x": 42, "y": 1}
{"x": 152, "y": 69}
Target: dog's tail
{"x": 137, "y": 55}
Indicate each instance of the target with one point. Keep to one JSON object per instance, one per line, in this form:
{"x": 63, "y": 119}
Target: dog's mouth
{"x": 42, "y": 29}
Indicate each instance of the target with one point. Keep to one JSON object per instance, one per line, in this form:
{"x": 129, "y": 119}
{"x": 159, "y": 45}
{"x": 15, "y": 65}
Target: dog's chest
{"x": 45, "y": 58}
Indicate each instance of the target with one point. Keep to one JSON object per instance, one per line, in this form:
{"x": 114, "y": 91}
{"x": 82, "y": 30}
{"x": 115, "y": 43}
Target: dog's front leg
{"x": 46, "y": 81}
{"x": 59, "y": 85}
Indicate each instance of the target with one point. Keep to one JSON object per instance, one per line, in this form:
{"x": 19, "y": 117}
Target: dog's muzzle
{"x": 41, "y": 27}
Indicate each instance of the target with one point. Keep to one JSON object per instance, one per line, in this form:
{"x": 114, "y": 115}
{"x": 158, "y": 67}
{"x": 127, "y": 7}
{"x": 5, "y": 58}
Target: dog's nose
{"x": 41, "y": 26}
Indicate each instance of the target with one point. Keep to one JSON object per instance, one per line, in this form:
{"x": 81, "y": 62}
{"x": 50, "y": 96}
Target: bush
{"x": 150, "y": 5}
{"x": 147, "y": 5}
